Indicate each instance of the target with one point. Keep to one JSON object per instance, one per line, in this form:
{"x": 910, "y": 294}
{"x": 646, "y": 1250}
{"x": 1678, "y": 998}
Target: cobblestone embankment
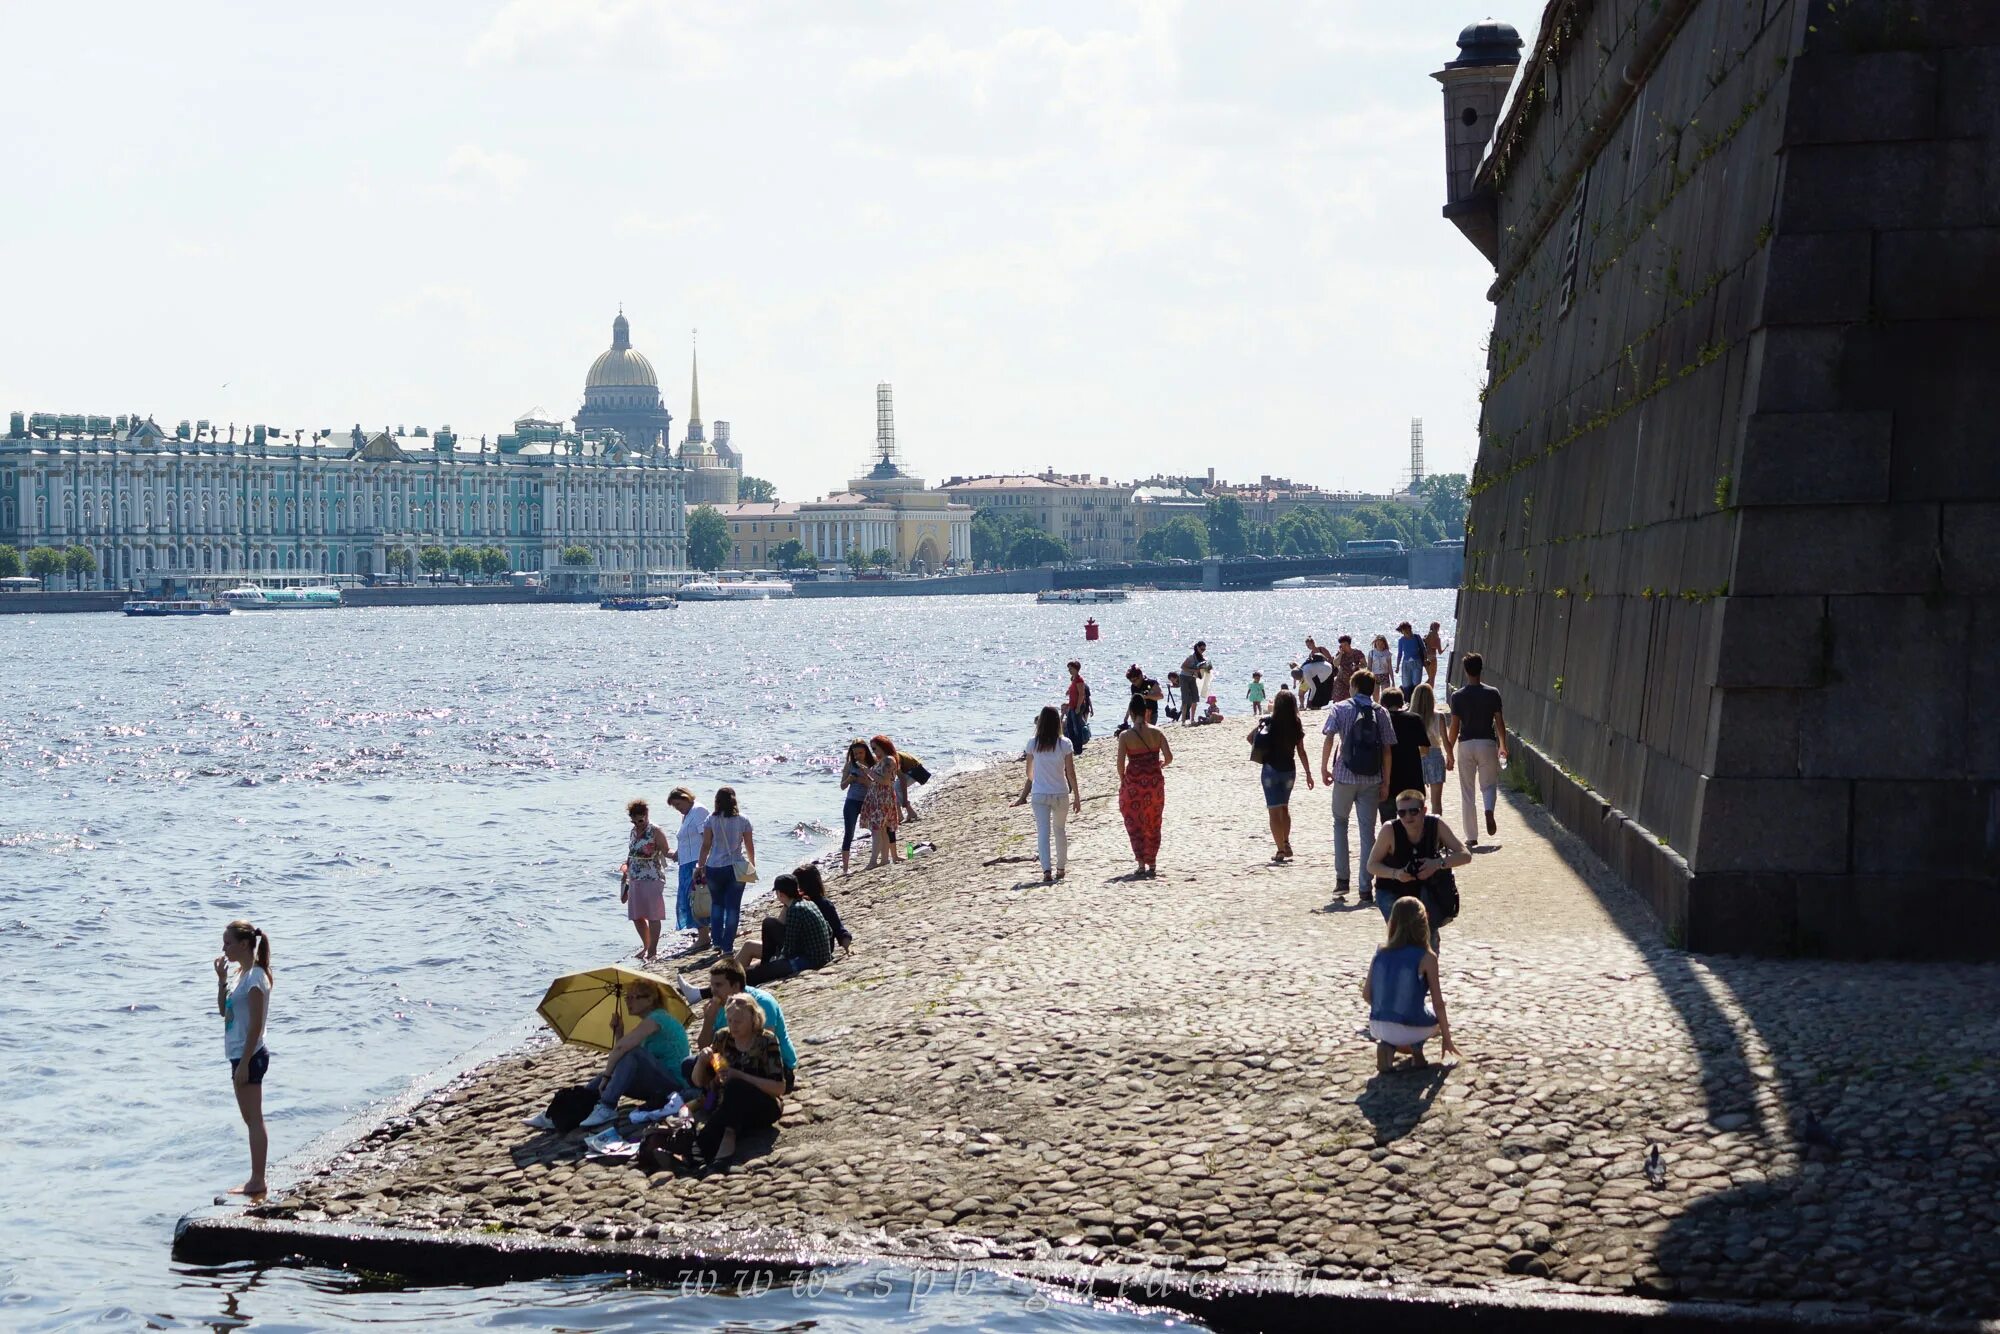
{"x": 1170, "y": 1072}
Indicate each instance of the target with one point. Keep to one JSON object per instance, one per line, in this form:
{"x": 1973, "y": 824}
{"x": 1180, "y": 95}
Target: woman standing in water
{"x": 882, "y": 811}
{"x": 1142, "y": 789}
{"x": 244, "y": 1009}
{"x": 643, "y": 886}
{"x": 853, "y": 782}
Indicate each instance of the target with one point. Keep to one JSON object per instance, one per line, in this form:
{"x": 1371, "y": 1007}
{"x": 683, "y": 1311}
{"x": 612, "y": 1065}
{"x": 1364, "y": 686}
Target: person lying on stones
{"x": 726, "y": 980}
{"x": 646, "y": 1061}
{"x": 796, "y": 941}
{"x": 748, "y": 1067}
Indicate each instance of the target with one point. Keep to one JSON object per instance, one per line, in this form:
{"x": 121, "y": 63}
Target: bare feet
{"x": 253, "y": 1189}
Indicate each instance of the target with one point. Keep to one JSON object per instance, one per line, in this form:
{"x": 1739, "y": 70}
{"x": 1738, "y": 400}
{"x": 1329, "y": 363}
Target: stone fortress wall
{"x": 1731, "y": 551}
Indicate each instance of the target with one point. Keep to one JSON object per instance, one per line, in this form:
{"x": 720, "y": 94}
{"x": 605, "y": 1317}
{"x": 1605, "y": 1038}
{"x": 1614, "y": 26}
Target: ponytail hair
{"x": 242, "y": 930}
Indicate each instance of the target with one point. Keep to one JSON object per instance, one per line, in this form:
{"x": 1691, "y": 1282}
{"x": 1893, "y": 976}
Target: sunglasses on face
{"x": 1409, "y": 810}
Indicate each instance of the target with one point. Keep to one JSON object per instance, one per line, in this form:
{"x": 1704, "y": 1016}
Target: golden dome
{"x": 621, "y": 366}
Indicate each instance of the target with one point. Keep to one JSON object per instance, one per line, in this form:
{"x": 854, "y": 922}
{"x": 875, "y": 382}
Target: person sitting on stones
{"x": 796, "y": 942}
{"x": 1403, "y": 970}
{"x": 726, "y": 978}
{"x": 647, "y": 1059}
{"x": 813, "y": 885}
{"x": 748, "y": 1068}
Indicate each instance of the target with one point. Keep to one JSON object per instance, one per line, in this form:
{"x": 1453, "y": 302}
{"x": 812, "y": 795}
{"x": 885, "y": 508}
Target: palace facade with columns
{"x": 154, "y": 505}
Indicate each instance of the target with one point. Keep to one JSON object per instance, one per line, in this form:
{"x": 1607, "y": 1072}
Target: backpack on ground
{"x": 570, "y": 1105}
{"x": 1362, "y": 750}
{"x": 670, "y": 1148}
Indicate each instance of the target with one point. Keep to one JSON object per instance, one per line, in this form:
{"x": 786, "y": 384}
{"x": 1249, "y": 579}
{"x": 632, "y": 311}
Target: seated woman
{"x": 801, "y": 941}
{"x": 813, "y": 886}
{"x": 749, "y": 1069}
{"x": 1403, "y": 970}
{"x": 646, "y": 1061}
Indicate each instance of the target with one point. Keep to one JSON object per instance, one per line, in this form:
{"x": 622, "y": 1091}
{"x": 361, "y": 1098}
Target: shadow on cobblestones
{"x": 1394, "y": 1103}
{"x": 1846, "y": 1151}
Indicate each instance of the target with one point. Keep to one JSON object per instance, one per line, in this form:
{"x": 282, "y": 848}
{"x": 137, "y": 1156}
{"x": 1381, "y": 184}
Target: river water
{"x": 424, "y": 808}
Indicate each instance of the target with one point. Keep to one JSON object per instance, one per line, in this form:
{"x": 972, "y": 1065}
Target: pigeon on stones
{"x": 1656, "y": 1171}
{"x": 1812, "y": 1131}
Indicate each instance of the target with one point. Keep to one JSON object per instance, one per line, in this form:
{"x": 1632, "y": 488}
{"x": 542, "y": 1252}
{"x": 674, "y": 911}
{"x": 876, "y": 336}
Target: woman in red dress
{"x": 1142, "y": 790}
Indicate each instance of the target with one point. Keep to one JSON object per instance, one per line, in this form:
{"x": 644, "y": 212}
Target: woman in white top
{"x": 727, "y": 846}
{"x": 244, "y": 1009}
{"x": 1050, "y": 778}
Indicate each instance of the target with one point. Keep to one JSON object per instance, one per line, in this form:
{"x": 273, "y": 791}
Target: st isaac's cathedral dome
{"x": 621, "y": 366}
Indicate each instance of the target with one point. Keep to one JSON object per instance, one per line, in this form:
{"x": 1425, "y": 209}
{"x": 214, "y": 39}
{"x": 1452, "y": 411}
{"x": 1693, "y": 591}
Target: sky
{"x": 1117, "y": 237}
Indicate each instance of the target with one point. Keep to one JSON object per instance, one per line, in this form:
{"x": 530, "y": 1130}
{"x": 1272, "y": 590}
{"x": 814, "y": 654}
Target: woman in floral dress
{"x": 882, "y": 810}
{"x": 1142, "y": 790}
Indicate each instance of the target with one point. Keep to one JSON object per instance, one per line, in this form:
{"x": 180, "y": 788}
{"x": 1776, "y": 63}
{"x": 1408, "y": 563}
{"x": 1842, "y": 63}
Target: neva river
{"x": 424, "y": 808}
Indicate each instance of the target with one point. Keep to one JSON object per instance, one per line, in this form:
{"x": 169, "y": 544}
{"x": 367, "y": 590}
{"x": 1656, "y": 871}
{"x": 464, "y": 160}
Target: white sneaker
{"x": 539, "y": 1121}
{"x": 600, "y": 1115}
{"x": 690, "y": 994}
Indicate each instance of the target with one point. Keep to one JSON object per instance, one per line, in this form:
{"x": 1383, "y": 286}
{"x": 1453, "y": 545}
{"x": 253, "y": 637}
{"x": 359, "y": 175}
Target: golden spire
{"x": 694, "y": 394}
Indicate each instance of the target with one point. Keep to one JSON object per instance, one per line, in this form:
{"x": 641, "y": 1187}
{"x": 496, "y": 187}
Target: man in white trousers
{"x": 1476, "y": 745}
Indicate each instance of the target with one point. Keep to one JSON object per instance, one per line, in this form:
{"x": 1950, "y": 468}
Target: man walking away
{"x": 1076, "y": 709}
{"x": 1406, "y": 755}
{"x": 1476, "y": 744}
{"x": 1359, "y": 777}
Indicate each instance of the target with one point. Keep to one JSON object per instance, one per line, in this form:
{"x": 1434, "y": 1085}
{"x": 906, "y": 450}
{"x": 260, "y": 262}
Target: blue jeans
{"x": 850, "y": 810}
{"x": 1359, "y": 800}
{"x": 638, "y": 1074}
{"x": 684, "y": 919}
{"x": 1411, "y": 672}
{"x": 727, "y": 892}
{"x": 1278, "y": 785}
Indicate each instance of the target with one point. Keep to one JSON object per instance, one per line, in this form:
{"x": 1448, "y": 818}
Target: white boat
{"x": 637, "y": 602}
{"x": 1082, "y": 596}
{"x": 250, "y": 597}
{"x": 173, "y": 607}
{"x": 734, "y": 590}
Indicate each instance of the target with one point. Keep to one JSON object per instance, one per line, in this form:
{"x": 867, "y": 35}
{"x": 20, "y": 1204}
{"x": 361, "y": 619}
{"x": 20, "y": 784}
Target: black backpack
{"x": 1362, "y": 753}
{"x": 570, "y": 1106}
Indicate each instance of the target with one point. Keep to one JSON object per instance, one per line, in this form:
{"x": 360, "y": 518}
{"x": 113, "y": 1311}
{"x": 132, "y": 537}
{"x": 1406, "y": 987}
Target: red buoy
{"x": 1090, "y": 629}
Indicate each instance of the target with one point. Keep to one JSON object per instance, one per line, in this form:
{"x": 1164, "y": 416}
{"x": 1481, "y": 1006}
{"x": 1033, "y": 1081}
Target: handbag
{"x": 1260, "y": 745}
{"x": 746, "y": 870}
{"x": 701, "y": 903}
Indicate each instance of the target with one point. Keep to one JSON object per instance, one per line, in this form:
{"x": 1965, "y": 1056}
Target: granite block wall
{"x": 1735, "y": 530}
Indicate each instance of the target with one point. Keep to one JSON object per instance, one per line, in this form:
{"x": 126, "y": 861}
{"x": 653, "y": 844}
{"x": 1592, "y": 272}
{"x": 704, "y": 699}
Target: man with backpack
{"x": 1359, "y": 775}
{"x": 1076, "y": 709}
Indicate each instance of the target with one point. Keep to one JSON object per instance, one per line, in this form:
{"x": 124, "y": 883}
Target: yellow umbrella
{"x": 581, "y": 1006}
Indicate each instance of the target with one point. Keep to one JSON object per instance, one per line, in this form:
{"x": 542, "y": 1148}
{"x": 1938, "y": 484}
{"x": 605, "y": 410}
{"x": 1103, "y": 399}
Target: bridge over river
{"x": 1425, "y": 567}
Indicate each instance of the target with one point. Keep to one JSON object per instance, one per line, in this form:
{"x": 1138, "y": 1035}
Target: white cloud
{"x": 679, "y": 38}
{"x": 470, "y": 167}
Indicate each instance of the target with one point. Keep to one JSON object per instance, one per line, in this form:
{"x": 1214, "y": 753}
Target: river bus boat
{"x": 734, "y": 590}
{"x": 634, "y": 602}
{"x": 174, "y": 607}
{"x": 1082, "y": 596}
{"x": 251, "y": 597}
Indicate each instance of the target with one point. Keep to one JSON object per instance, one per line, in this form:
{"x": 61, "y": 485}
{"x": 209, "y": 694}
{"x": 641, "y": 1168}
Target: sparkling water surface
{"x": 424, "y": 808}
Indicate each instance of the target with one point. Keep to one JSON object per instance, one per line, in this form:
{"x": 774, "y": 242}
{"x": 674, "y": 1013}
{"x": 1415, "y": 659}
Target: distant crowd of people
{"x": 1386, "y": 747}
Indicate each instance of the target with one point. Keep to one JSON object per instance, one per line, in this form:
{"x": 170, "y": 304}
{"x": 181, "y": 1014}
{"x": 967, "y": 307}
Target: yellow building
{"x": 756, "y": 529}
{"x": 887, "y": 510}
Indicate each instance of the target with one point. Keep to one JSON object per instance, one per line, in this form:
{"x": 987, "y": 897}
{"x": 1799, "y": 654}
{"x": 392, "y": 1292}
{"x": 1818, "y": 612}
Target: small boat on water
{"x": 734, "y": 590}
{"x": 250, "y": 597}
{"x": 1082, "y": 596}
{"x": 636, "y": 602}
{"x": 174, "y": 607}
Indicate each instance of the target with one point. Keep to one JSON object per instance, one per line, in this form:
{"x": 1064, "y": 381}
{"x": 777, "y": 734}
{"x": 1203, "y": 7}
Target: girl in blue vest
{"x": 1402, "y": 978}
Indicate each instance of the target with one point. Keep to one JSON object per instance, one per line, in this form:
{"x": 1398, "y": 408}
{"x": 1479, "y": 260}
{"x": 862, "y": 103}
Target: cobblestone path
{"x": 1172, "y": 1072}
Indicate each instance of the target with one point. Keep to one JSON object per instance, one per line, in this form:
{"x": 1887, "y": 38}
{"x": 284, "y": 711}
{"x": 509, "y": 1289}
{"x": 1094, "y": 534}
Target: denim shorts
{"x": 258, "y": 1065}
{"x": 1278, "y": 785}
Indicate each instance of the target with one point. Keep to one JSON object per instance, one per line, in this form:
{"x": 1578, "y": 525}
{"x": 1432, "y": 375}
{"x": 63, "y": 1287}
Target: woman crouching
{"x": 747, "y": 1065}
{"x": 1404, "y": 970}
